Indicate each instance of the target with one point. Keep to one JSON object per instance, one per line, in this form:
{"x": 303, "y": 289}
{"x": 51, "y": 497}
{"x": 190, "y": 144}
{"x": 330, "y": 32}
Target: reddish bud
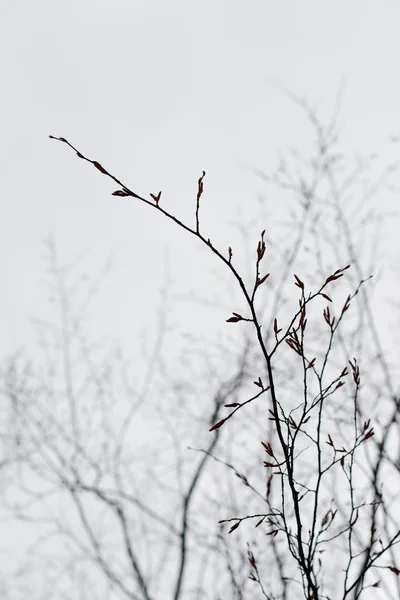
{"x": 156, "y": 198}
{"x": 276, "y": 330}
{"x": 235, "y": 526}
{"x": 259, "y": 383}
{"x": 268, "y": 448}
{"x": 260, "y": 281}
{"x": 354, "y": 521}
{"x": 235, "y": 319}
{"x": 311, "y": 364}
{"x": 298, "y": 282}
{"x": 122, "y": 193}
{"x": 326, "y": 296}
{"x": 217, "y": 425}
{"x": 200, "y": 186}
{"x": 369, "y": 434}
{"x": 99, "y": 167}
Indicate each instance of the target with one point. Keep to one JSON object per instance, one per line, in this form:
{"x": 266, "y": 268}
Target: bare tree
{"x": 303, "y": 415}
{"x": 117, "y": 511}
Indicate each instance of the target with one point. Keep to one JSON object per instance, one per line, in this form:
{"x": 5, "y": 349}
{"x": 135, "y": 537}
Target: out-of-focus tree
{"x": 295, "y": 423}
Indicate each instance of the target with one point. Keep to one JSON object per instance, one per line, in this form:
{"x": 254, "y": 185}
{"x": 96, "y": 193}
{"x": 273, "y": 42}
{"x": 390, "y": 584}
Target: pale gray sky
{"x": 158, "y": 91}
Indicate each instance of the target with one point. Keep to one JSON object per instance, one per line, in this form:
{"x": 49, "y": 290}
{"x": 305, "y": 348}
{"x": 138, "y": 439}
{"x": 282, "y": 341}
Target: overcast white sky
{"x": 158, "y": 91}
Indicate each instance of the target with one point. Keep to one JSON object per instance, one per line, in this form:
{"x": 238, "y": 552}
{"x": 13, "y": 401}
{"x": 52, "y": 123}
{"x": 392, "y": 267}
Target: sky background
{"x": 157, "y": 92}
